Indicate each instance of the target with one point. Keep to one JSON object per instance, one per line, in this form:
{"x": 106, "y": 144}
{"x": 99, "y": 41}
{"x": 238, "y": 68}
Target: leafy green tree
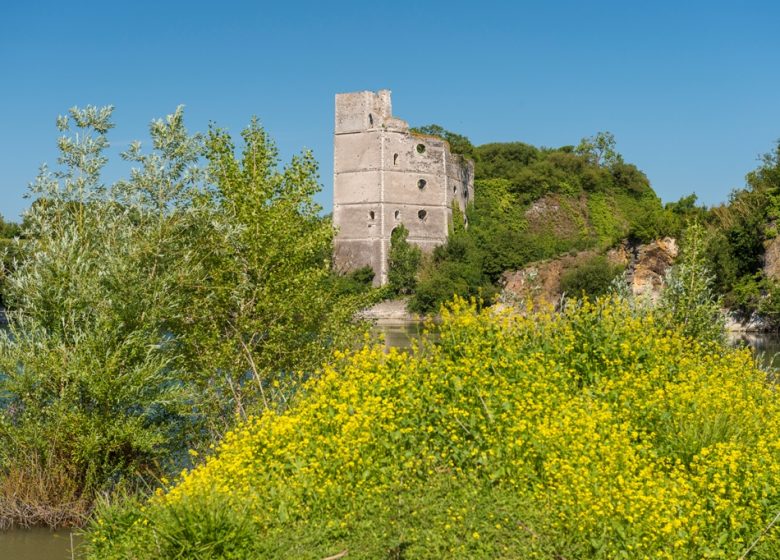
{"x": 740, "y": 229}
{"x": 146, "y": 316}
{"x": 600, "y": 149}
{"x": 90, "y": 379}
{"x": 403, "y": 262}
{"x": 266, "y": 305}
{"x": 457, "y": 269}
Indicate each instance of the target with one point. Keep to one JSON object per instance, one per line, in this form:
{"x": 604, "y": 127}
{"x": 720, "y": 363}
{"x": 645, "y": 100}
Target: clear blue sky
{"x": 691, "y": 90}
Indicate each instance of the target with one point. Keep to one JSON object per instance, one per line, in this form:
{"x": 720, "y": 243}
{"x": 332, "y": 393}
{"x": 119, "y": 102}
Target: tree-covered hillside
{"x": 535, "y": 203}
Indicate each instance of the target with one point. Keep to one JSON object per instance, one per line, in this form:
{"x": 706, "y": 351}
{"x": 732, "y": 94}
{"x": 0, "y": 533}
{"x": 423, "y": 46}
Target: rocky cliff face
{"x": 772, "y": 258}
{"x": 646, "y": 266}
{"x": 649, "y": 265}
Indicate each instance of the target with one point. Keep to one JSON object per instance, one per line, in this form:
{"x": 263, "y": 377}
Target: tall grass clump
{"x": 596, "y": 432}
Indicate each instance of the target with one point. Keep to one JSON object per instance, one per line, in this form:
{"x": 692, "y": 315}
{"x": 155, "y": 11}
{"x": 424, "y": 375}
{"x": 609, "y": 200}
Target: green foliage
{"x": 89, "y": 379}
{"x": 592, "y": 278}
{"x": 265, "y": 305}
{"x": 600, "y": 149}
{"x": 403, "y": 262}
{"x": 455, "y": 270}
{"x": 757, "y": 294}
{"x": 147, "y": 316}
{"x": 602, "y": 216}
{"x": 684, "y": 212}
{"x": 356, "y": 282}
{"x": 534, "y": 172}
{"x": 9, "y": 230}
{"x": 533, "y": 204}
{"x": 688, "y": 297}
{"x": 505, "y": 161}
{"x": 739, "y": 231}
{"x": 200, "y": 529}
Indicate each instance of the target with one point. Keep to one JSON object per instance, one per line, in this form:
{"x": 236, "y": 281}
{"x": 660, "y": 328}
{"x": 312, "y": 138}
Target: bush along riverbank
{"x": 147, "y": 317}
{"x": 598, "y": 432}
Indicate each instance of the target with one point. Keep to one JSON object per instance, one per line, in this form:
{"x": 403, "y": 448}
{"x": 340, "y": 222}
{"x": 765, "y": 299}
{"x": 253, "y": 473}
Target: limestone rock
{"x": 772, "y": 258}
{"x": 541, "y": 281}
{"x": 651, "y": 262}
{"x": 388, "y": 311}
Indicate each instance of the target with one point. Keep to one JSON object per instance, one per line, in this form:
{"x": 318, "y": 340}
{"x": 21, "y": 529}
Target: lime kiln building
{"x": 383, "y": 176}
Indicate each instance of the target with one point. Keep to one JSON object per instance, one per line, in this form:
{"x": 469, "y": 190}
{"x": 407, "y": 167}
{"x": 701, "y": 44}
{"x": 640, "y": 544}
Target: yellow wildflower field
{"x": 597, "y": 432}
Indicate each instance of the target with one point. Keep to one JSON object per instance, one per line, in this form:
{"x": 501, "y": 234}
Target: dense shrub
{"x": 591, "y": 278}
{"x": 456, "y": 269}
{"x": 688, "y": 297}
{"x": 402, "y": 262}
{"x": 356, "y": 282}
{"x": 147, "y": 316}
{"x": 740, "y": 229}
{"x": 594, "y": 433}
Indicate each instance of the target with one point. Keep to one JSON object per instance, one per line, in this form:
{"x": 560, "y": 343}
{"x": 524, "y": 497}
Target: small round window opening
{"x": 371, "y": 215}
{"x": 420, "y": 148}
{"x": 421, "y": 184}
{"x": 397, "y": 214}
{"x": 422, "y": 214}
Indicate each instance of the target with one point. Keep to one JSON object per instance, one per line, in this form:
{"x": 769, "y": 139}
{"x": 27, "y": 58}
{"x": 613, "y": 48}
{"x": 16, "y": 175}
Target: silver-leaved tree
{"x": 147, "y": 315}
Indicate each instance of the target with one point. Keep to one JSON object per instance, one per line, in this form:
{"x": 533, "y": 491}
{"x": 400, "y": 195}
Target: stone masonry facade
{"x": 385, "y": 175}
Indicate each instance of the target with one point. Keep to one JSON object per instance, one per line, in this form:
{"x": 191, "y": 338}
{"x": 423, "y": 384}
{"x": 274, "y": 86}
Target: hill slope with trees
{"x": 536, "y": 203}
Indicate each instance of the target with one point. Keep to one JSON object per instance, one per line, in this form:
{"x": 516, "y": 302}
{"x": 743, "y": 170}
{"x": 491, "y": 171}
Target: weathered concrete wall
{"x": 385, "y": 176}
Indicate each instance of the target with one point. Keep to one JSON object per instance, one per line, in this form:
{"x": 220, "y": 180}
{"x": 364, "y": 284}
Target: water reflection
{"x": 400, "y": 334}
{"x": 37, "y": 544}
{"x": 765, "y": 346}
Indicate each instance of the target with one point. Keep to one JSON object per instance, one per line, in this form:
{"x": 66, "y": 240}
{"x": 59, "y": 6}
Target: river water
{"x": 38, "y": 544}
{"x": 42, "y": 544}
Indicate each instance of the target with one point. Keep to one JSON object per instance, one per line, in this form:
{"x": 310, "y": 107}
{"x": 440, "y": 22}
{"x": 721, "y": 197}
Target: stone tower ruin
{"x": 383, "y": 176}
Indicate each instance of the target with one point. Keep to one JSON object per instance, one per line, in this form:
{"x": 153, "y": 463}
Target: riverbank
{"x": 391, "y": 311}
{"x": 39, "y": 544}
{"x": 754, "y": 323}
{"x": 394, "y": 312}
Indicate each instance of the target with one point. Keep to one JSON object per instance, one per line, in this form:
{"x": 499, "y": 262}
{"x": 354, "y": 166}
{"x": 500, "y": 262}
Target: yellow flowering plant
{"x": 596, "y": 432}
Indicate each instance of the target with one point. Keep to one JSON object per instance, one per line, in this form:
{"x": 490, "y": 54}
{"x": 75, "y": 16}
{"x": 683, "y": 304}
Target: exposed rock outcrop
{"x": 772, "y": 258}
{"x": 650, "y": 264}
{"x": 646, "y": 267}
{"x": 388, "y": 312}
